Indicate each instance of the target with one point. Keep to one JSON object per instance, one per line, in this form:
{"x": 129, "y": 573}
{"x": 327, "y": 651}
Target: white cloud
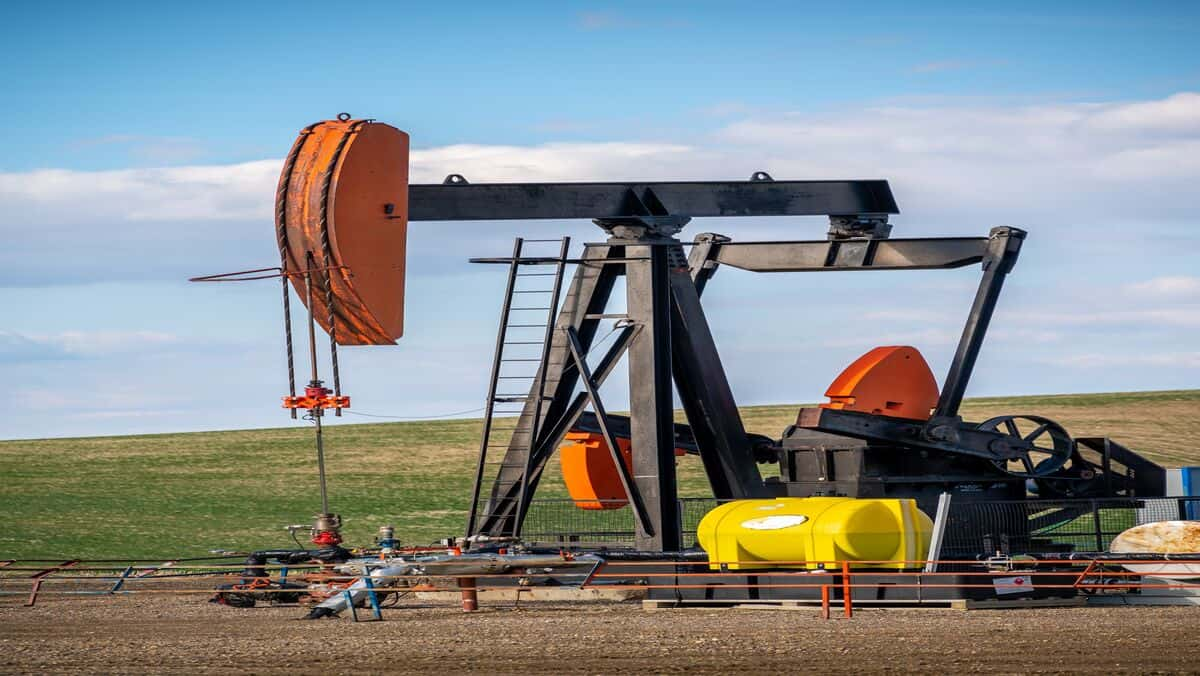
{"x": 146, "y": 149}
{"x": 950, "y": 65}
{"x": 20, "y": 347}
{"x": 1178, "y": 114}
{"x": 552, "y": 162}
{"x": 1107, "y": 191}
{"x": 1169, "y": 287}
{"x": 1097, "y": 166}
{"x": 1032, "y": 159}
{"x": 196, "y": 193}
{"x": 1111, "y": 314}
{"x": 1068, "y": 161}
{"x": 1183, "y": 360}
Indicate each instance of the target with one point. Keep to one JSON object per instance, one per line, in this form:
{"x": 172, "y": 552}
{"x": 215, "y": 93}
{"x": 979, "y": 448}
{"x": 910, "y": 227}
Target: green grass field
{"x": 173, "y": 495}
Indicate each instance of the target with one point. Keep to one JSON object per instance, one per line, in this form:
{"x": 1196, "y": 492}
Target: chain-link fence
{"x": 1026, "y": 526}
{"x": 562, "y": 522}
{"x": 973, "y": 528}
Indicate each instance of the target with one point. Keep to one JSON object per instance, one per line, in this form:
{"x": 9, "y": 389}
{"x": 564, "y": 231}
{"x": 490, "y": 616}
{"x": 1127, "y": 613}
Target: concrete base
{"x": 1151, "y": 597}
{"x": 956, "y": 604}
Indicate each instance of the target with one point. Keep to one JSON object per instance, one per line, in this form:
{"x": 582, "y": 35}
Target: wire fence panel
{"x": 977, "y": 528}
{"x": 561, "y": 522}
{"x": 973, "y": 528}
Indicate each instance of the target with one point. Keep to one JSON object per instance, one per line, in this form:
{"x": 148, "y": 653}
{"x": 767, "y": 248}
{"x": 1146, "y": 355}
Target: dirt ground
{"x": 184, "y": 635}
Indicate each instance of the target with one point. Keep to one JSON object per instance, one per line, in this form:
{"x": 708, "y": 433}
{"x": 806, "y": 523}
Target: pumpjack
{"x": 888, "y": 430}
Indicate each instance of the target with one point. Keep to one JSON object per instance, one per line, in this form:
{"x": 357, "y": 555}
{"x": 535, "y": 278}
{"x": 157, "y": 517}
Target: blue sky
{"x": 143, "y": 140}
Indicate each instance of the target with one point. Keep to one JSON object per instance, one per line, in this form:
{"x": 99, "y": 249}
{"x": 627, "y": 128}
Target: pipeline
{"x": 256, "y": 560}
{"x": 465, "y": 567}
{"x": 255, "y": 579}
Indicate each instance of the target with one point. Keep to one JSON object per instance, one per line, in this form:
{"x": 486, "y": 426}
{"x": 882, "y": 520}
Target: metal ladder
{"x": 522, "y": 342}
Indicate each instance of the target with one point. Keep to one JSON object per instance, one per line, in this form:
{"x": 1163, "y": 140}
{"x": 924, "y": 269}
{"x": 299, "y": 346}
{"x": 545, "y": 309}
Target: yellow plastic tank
{"x": 809, "y": 533}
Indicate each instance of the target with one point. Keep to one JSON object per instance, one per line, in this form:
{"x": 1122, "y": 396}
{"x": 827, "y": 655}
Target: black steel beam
{"x": 701, "y": 259}
{"x": 652, "y": 434}
{"x": 684, "y": 440}
{"x": 553, "y": 435}
{"x": 962, "y": 439}
{"x": 506, "y": 201}
{"x": 854, "y": 254}
{"x": 706, "y": 396}
{"x": 1003, "y": 247}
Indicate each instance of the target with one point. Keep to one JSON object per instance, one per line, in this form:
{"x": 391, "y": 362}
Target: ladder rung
{"x": 502, "y": 361}
{"x": 511, "y": 400}
{"x": 528, "y": 308}
{"x": 536, "y": 274}
{"x": 534, "y": 291}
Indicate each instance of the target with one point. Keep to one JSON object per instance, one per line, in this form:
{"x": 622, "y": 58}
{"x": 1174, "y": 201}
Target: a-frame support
{"x": 669, "y": 344}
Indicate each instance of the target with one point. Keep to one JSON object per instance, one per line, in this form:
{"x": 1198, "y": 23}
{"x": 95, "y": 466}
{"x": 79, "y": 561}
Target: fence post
{"x": 470, "y": 597}
{"x": 847, "y": 602}
{"x": 121, "y": 580}
{"x": 376, "y": 610}
{"x": 938, "y": 538}
{"x": 1098, "y": 527}
{"x": 824, "y": 602}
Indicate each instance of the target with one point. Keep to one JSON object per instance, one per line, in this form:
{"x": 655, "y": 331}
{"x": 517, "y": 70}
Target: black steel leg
{"x": 1003, "y": 247}
{"x": 707, "y": 398}
{"x": 652, "y": 433}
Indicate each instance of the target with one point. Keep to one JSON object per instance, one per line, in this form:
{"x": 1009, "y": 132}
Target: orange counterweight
{"x": 344, "y": 199}
{"x": 588, "y": 471}
{"x": 893, "y": 381}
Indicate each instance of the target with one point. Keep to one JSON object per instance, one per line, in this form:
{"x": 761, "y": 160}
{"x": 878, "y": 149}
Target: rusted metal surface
{"x": 41, "y": 575}
{"x": 344, "y": 201}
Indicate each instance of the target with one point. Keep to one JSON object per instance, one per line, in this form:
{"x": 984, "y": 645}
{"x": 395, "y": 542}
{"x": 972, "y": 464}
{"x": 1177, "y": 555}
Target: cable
{"x": 414, "y": 417}
{"x": 566, "y": 369}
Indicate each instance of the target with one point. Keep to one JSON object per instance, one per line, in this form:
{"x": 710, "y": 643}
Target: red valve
{"x": 317, "y": 397}
{"x": 326, "y": 538}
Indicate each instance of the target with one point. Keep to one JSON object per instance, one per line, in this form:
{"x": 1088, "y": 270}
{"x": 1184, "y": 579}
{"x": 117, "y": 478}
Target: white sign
{"x": 1018, "y": 584}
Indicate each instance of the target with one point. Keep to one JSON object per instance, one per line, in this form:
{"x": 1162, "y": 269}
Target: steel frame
{"x": 668, "y": 340}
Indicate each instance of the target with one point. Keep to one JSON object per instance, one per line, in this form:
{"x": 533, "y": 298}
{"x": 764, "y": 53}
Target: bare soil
{"x": 177, "y": 634}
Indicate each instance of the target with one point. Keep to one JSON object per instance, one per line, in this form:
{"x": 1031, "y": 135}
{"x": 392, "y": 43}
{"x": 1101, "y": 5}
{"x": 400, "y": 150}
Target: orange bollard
{"x": 470, "y": 596}
{"x": 847, "y": 602}
{"x": 824, "y": 602}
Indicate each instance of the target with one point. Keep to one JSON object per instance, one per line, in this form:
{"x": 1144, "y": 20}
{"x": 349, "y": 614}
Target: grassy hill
{"x": 172, "y": 495}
